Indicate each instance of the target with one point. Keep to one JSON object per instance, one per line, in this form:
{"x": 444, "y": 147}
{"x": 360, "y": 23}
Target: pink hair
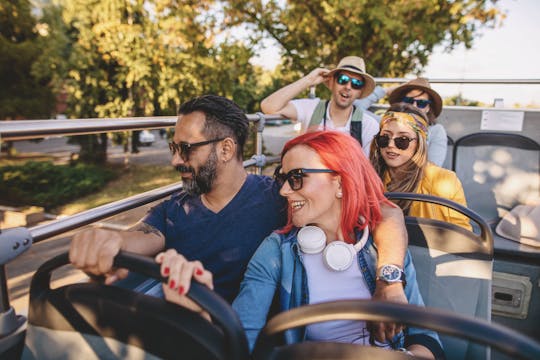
{"x": 362, "y": 189}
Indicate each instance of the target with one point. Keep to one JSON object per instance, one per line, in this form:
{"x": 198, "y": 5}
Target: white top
{"x": 306, "y": 107}
{"x": 437, "y": 142}
{"x": 327, "y": 285}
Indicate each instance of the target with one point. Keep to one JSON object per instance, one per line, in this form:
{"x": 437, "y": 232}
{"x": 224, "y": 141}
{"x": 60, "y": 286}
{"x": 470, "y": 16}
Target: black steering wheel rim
{"x": 477, "y": 330}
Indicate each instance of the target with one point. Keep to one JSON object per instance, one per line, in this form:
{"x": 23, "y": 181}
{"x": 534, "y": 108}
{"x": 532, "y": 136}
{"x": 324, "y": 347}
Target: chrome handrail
{"x": 464, "y": 81}
{"x": 32, "y": 129}
{"x": 55, "y": 227}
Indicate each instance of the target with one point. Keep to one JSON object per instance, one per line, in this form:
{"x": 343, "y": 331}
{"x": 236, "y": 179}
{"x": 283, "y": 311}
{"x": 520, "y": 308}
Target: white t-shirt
{"x": 328, "y": 285}
{"x": 306, "y": 107}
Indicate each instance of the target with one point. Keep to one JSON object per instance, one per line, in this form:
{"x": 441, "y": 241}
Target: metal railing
{"x": 33, "y": 129}
{"x": 464, "y": 81}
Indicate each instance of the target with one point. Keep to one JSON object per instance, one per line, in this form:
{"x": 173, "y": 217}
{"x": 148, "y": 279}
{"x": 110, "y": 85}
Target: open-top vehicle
{"x": 481, "y": 290}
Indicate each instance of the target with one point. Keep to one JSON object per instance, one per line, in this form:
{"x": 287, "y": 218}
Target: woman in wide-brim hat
{"x": 418, "y": 92}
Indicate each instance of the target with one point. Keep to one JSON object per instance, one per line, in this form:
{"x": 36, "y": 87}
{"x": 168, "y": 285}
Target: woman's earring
{"x": 339, "y": 195}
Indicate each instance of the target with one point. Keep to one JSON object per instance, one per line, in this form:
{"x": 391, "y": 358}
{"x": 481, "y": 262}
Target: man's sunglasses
{"x": 420, "y": 103}
{"x": 401, "y": 142}
{"x": 343, "y": 79}
{"x": 295, "y": 177}
{"x": 184, "y": 148}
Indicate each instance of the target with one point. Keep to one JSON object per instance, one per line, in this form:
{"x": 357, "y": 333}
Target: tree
{"x": 395, "y": 37}
{"x": 141, "y": 58}
{"x": 459, "y": 100}
{"x": 22, "y": 94}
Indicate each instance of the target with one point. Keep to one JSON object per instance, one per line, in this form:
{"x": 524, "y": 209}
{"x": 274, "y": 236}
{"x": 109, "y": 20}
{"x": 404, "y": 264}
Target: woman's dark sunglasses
{"x": 184, "y": 148}
{"x": 343, "y": 79}
{"x": 401, "y": 142}
{"x": 420, "y": 103}
{"x": 295, "y": 177}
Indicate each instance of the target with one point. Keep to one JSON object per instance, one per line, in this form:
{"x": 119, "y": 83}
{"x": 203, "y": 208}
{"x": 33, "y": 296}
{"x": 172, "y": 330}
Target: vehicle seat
{"x": 498, "y": 171}
{"x": 453, "y": 269}
{"x": 96, "y": 321}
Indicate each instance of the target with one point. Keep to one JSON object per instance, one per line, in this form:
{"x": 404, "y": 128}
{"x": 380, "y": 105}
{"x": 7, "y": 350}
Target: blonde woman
{"x": 400, "y": 157}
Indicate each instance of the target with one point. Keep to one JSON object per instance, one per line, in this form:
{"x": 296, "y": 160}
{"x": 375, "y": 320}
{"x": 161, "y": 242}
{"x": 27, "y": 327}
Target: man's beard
{"x": 202, "y": 181}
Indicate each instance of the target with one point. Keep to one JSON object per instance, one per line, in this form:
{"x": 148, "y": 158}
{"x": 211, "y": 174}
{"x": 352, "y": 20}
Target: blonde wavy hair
{"x": 408, "y": 176}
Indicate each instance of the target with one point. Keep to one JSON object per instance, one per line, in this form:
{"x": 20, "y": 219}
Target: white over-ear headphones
{"x": 338, "y": 255}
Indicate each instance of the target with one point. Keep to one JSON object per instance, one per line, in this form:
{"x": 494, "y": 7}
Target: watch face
{"x": 390, "y": 273}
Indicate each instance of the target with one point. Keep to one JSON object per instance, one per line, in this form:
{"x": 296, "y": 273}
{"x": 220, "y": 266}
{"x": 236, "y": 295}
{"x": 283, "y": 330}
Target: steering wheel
{"x": 480, "y": 331}
{"x": 155, "y": 312}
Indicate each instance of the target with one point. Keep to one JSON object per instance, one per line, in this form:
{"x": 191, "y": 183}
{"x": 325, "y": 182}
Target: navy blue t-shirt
{"x": 225, "y": 241}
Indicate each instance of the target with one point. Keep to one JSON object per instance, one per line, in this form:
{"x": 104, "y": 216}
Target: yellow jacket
{"x": 443, "y": 183}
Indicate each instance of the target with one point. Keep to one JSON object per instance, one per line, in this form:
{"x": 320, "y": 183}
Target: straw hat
{"x": 354, "y": 64}
{"x": 419, "y": 84}
{"x": 522, "y": 224}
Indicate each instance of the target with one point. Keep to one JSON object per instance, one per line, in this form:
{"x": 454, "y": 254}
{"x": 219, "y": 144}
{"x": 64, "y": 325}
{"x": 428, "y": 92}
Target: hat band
{"x": 352, "y": 67}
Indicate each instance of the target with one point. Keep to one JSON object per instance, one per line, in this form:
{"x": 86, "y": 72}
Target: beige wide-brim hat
{"x": 522, "y": 224}
{"x": 417, "y": 84}
{"x": 354, "y": 64}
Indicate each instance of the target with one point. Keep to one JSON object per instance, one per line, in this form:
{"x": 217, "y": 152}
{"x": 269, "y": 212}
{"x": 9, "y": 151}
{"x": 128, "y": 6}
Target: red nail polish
{"x": 181, "y": 290}
{"x": 198, "y": 272}
{"x": 166, "y": 271}
{"x": 171, "y": 284}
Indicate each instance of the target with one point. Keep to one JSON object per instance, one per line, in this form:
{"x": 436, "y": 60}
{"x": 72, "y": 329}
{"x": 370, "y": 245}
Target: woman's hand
{"x": 180, "y": 271}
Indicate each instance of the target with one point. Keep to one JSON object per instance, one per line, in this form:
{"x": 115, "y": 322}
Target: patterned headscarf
{"x": 418, "y": 124}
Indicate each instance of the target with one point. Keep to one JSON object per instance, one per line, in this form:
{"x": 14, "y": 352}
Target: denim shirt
{"x": 277, "y": 266}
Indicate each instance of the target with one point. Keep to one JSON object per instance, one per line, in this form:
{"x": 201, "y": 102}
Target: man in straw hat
{"x": 347, "y": 82}
{"x": 418, "y": 92}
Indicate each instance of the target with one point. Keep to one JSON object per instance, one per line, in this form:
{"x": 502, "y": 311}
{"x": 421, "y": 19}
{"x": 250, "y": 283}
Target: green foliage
{"x": 141, "y": 58}
{"x": 114, "y": 58}
{"x": 47, "y": 185}
{"x": 23, "y": 94}
{"x": 395, "y": 37}
{"x": 459, "y": 100}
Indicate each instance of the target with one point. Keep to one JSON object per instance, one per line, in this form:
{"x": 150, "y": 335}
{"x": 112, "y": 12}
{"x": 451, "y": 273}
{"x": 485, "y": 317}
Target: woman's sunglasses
{"x": 343, "y": 79}
{"x": 401, "y": 142}
{"x": 420, "y": 103}
{"x": 295, "y": 177}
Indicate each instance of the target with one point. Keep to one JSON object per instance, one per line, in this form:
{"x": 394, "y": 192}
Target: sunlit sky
{"x": 508, "y": 52}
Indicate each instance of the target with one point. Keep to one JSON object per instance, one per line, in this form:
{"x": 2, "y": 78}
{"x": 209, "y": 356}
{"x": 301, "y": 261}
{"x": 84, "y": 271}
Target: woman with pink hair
{"x": 324, "y": 253}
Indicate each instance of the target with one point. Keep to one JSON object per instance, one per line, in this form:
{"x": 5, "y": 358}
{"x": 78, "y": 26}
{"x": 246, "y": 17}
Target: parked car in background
{"x": 146, "y": 138}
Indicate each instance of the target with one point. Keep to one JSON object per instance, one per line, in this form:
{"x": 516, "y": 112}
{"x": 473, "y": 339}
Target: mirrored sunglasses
{"x": 343, "y": 79}
{"x": 419, "y": 103}
{"x": 295, "y": 177}
{"x": 401, "y": 142}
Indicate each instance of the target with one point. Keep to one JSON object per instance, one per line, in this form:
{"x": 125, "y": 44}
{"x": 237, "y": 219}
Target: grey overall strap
{"x": 319, "y": 114}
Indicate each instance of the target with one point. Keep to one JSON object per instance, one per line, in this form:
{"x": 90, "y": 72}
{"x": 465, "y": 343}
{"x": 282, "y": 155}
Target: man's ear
{"x": 228, "y": 149}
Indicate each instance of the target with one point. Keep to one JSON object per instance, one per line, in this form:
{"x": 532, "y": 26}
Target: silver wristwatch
{"x": 391, "y": 274}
